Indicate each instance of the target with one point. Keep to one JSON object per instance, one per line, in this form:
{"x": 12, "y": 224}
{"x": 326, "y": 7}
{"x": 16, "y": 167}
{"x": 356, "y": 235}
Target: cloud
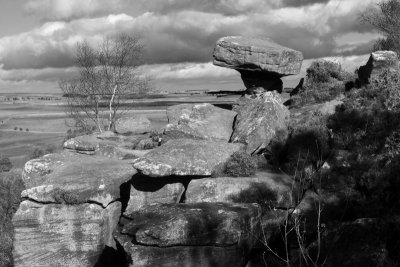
{"x": 190, "y": 35}
{"x": 52, "y": 10}
{"x": 301, "y": 3}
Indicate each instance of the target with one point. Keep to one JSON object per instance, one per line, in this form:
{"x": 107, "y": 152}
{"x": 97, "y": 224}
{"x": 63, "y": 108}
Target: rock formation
{"x": 378, "y": 62}
{"x": 260, "y": 61}
{"x": 202, "y": 121}
{"x": 259, "y": 120}
{"x": 160, "y": 189}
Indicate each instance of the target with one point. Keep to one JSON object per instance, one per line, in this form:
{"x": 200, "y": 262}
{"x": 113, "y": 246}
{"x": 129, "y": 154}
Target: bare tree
{"x": 385, "y": 17}
{"x": 107, "y": 78}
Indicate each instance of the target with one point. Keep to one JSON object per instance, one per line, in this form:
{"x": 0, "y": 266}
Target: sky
{"x": 38, "y": 37}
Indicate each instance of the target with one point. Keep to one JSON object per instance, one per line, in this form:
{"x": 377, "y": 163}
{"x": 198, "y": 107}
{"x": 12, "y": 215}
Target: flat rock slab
{"x": 203, "y": 121}
{"x": 259, "y": 119}
{"x": 62, "y": 235}
{"x": 185, "y": 157}
{"x": 257, "y": 54}
{"x": 275, "y": 187}
{"x": 69, "y": 177}
{"x": 198, "y": 224}
{"x": 175, "y": 112}
{"x": 133, "y": 125}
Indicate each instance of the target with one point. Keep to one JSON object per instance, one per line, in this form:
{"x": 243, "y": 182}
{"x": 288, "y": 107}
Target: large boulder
{"x": 260, "y": 61}
{"x": 144, "y": 192}
{"x": 275, "y": 187}
{"x": 62, "y": 235}
{"x": 175, "y": 112}
{"x": 202, "y": 234}
{"x": 378, "y": 61}
{"x": 133, "y": 125}
{"x": 259, "y": 119}
{"x": 203, "y": 121}
{"x": 75, "y": 178}
{"x": 186, "y": 157}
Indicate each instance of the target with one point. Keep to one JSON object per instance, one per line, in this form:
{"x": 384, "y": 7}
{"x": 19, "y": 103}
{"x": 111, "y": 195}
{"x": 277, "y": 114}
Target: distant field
{"x": 47, "y": 126}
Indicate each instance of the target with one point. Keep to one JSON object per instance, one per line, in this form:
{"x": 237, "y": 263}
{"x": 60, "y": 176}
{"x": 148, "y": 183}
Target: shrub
{"x": 11, "y": 186}
{"x": 240, "y": 164}
{"x": 27, "y": 129}
{"x": 324, "y": 71}
{"x": 5, "y": 164}
{"x": 15, "y": 128}
{"x": 39, "y": 152}
{"x": 21, "y": 129}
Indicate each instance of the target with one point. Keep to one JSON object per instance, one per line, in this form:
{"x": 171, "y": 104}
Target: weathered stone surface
{"x": 182, "y": 256}
{"x": 191, "y": 234}
{"x": 175, "y": 112}
{"x": 77, "y": 178}
{"x": 378, "y": 62}
{"x": 106, "y": 144}
{"x": 133, "y": 125}
{"x": 219, "y": 224}
{"x": 229, "y": 189}
{"x": 144, "y": 192}
{"x": 258, "y": 120}
{"x": 203, "y": 121}
{"x": 257, "y": 54}
{"x": 184, "y": 157}
{"x": 62, "y": 235}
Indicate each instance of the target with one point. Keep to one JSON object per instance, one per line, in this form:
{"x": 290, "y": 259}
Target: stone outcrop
{"x": 133, "y": 125}
{"x": 260, "y": 61}
{"x": 175, "y": 112}
{"x": 144, "y": 192}
{"x": 185, "y": 157}
{"x": 377, "y": 63}
{"x": 62, "y": 235}
{"x": 258, "y": 120}
{"x": 201, "y": 121}
{"x": 171, "y": 234}
{"x": 56, "y": 178}
{"x": 231, "y": 189}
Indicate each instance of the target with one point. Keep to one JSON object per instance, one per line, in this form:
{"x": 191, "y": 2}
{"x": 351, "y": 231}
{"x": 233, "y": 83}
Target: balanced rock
{"x": 259, "y": 120}
{"x": 171, "y": 234}
{"x": 260, "y": 61}
{"x": 185, "y": 157}
{"x": 133, "y": 125}
{"x": 378, "y": 62}
{"x": 202, "y": 121}
{"x": 62, "y": 235}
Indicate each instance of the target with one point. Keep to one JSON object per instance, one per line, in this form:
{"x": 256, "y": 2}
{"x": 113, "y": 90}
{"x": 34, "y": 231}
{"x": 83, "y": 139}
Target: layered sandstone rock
{"x": 259, "y": 119}
{"x": 277, "y": 187}
{"x": 260, "y": 61}
{"x": 186, "y": 157}
{"x": 202, "y": 121}
{"x": 202, "y": 234}
{"x": 378, "y": 62}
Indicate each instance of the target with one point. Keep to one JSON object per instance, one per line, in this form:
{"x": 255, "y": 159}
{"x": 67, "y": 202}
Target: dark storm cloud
{"x": 301, "y": 3}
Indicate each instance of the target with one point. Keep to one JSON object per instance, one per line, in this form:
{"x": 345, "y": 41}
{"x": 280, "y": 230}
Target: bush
{"x": 15, "y": 128}
{"x": 27, "y": 129}
{"x": 324, "y": 71}
{"x": 5, "y": 164}
{"x": 39, "y": 152}
{"x": 241, "y": 164}
{"x": 11, "y": 186}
